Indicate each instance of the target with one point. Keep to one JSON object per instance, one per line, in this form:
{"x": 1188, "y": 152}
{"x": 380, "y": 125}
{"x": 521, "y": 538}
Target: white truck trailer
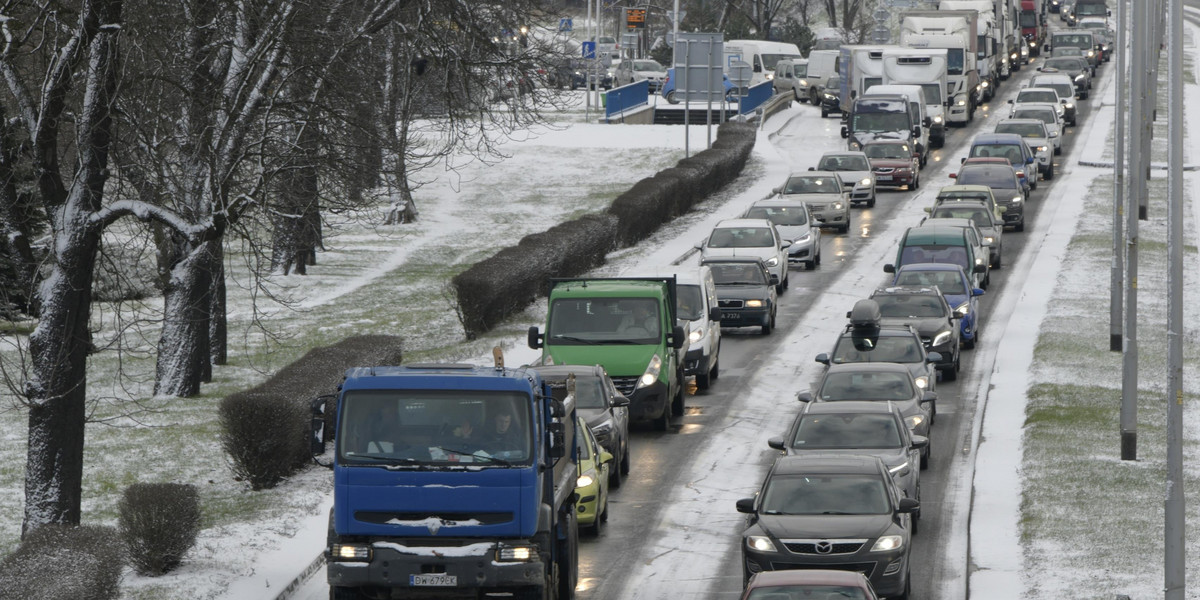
{"x": 926, "y": 68}
{"x": 991, "y": 44}
{"x": 954, "y": 31}
{"x": 861, "y": 66}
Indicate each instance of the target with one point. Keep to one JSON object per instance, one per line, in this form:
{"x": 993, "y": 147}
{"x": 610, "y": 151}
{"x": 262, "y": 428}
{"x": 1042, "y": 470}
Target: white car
{"x": 1037, "y": 137}
{"x": 828, "y": 200}
{"x": 795, "y": 224}
{"x": 1047, "y": 114}
{"x": 854, "y": 168}
{"x": 1065, "y": 86}
{"x": 630, "y": 70}
{"x": 1102, "y": 32}
{"x": 750, "y": 237}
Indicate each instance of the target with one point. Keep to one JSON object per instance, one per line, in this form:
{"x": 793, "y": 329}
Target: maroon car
{"x": 894, "y": 162}
{"x": 816, "y": 583}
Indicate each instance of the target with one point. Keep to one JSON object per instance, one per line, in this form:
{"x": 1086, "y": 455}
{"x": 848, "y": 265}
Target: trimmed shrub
{"x": 159, "y": 523}
{"x": 265, "y": 430}
{"x": 63, "y": 562}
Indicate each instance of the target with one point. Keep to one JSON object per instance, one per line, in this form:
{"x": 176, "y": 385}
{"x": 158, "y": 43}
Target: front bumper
{"x": 894, "y": 178}
{"x": 697, "y": 361}
{"x": 862, "y": 194}
{"x": 1014, "y": 213}
{"x": 645, "y": 403}
{"x": 392, "y": 564}
{"x": 887, "y": 571}
{"x": 745, "y": 317}
{"x": 802, "y": 252}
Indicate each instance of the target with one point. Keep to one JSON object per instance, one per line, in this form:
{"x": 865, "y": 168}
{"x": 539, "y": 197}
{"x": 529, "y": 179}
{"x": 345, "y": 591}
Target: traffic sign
{"x": 566, "y": 24}
{"x": 635, "y": 18}
{"x": 589, "y": 49}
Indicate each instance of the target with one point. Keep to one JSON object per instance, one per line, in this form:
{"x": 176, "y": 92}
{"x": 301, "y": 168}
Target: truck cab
{"x": 917, "y": 113}
{"x": 879, "y": 117}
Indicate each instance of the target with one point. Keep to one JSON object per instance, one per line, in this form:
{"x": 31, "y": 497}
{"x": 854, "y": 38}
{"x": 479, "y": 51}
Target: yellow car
{"x": 591, "y": 488}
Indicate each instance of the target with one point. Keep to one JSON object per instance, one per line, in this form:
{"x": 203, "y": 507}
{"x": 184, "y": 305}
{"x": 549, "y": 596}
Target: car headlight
{"x": 804, "y": 239}
{"x": 855, "y": 146}
{"x": 1041, "y": 149}
{"x": 900, "y": 468}
{"x": 1069, "y": 105}
{"x": 770, "y": 76}
{"x": 865, "y": 182}
{"x": 804, "y": 82}
{"x": 754, "y": 304}
{"x": 585, "y": 480}
{"x": 914, "y": 421}
{"x": 1032, "y": 44}
{"x": 1016, "y": 199}
{"x": 989, "y": 240}
{"x": 1053, "y": 134}
{"x": 962, "y": 310}
{"x": 937, "y": 119}
{"x": 696, "y": 335}
{"x": 1091, "y": 53}
{"x": 1080, "y": 78}
{"x": 941, "y": 338}
{"x": 904, "y": 169}
{"x": 651, "y": 374}
{"x": 923, "y": 382}
{"x": 887, "y": 543}
{"x": 983, "y": 84}
{"x": 1013, "y": 56}
{"x": 837, "y": 206}
{"x": 773, "y": 261}
{"x": 761, "y": 543}
{"x": 830, "y": 97}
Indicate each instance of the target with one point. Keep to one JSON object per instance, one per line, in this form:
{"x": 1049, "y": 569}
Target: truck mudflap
{"x": 438, "y": 569}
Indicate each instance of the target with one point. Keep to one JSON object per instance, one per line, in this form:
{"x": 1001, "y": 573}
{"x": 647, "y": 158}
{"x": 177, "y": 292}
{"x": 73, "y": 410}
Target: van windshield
{"x": 770, "y": 60}
{"x": 880, "y": 122}
{"x": 592, "y": 321}
{"x": 688, "y": 303}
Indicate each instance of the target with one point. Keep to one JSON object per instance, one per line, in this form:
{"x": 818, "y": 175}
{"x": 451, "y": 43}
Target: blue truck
{"x": 451, "y": 481}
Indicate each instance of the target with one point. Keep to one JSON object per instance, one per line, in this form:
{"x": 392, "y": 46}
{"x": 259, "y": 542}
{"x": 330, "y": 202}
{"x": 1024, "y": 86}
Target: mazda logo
{"x": 824, "y": 547}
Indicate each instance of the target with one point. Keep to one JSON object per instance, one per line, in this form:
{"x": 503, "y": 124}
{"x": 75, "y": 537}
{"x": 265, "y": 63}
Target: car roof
{"x": 743, "y": 223}
{"x": 883, "y": 329}
{"x": 733, "y": 259}
{"x": 814, "y": 173}
{"x": 886, "y": 141}
{"x": 829, "y": 463}
{"x": 998, "y": 138}
{"x": 931, "y": 267}
{"x": 1023, "y": 121}
{"x": 934, "y": 234}
{"x": 966, "y": 187}
{"x": 1054, "y": 77}
{"x": 778, "y": 201}
{"x": 859, "y": 153}
{"x": 946, "y": 222}
{"x": 1034, "y": 88}
{"x": 873, "y": 367}
{"x": 1042, "y": 105}
{"x": 897, "y": 290}
{"x": 858, "y": 407}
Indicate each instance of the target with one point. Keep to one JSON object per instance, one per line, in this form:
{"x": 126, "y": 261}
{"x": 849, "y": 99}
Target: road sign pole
{"x": 1129, "y": 349}
{"x": 1174, "y": 568}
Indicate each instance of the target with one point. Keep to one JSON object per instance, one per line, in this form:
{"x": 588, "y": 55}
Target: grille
{"x": 884, "y": 170}
{"x": 810, "y": 547}
{"x": 447, "y": 519}
{"x": 730, "y": 303}
{"x": 625, "y": 385}
{"x": 814, "y": 206}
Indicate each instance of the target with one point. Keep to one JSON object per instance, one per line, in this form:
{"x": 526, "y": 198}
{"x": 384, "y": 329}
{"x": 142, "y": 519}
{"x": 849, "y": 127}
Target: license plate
{"x": 883, "y": 177}
{"x": 730, "y": 316}
{"x": 433, "y": 580}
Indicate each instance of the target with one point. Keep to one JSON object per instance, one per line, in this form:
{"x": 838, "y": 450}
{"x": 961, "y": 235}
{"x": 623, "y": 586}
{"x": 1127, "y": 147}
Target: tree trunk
{"x": 218, "y": 326}
{"x": 298, "y": 217}
{"x": 184, "y": 348}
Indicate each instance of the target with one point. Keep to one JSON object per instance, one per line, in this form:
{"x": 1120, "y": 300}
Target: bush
{"x": 265, "y": 430}
{"x": 61, "y": 562}
{"x": 159, "y": 523}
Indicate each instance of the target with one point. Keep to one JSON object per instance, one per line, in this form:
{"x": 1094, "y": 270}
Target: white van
{"x": 791, "y": 77}
{"x": 761, "y": 55}
{"x": 822, "y": 64}
{"x": 698, "y": 313}
{"x": 916, "y": 104}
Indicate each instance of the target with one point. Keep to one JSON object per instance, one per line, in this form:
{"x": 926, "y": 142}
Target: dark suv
{"x": 830, "y": 512}
{"x": 926, "y": 310}
{"x": 745, "y": 291}
{"x": 605, "y": 409}
{"x": 866, "y": 339}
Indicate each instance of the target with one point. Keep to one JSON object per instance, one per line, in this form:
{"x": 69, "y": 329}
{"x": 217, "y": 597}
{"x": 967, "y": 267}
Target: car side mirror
{"x": 605, "y": 457}
{"x": 714, "y": 313}
{"x": 933, "y": 357}
{"x": 785, "y": 245}
{"x": 776, "y": 443}
{"x": 535, "y": 339}
{"x": 977, "y": 292}
{"x": 845, "y": 132}
{"x": 746, "y": 505}
{"x": 908, "y": 505}
{"x": 919, "y": 441}
{"x": 823, "y": 357}
{"x": 928, "y": 209}
{"x": 618, "y": 401}
{"x": 774, "y": 279}
{"x": 804, "y": 397}
{"x": 889, "y": 268}
{"x": 814, "y": 168}
{"x": 1029, "y": 160}
{"x": 929, "y": 397}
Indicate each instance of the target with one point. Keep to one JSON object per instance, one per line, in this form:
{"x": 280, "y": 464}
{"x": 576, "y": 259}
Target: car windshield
{"x": 825, "y": 494}
{"x": 590, "y": 321}
{"x": 847, "y": 431}
{"x": 1032, "y": 130}
{"x": 994, "y": 178}
{"x": 981, "y": 216}
{"x": 949, "y": 282}
{"x": 688, "y": 302}
{"x": 844, "y": 163}
{"x": 1064, "y": 89}
{"x": 741, "y": 237}
{"x": 900, "y": 151}
{"x": 918, "y": 306}
{"x": 866, "y": 385}
{"x": 811, "y": 184}
{"x": 433, "y": 428}
{"x": 1011, "y": 152}
{"x": 1037, "y": 96}
{"x": 806, "y": 591}
{"x": 779, "y": 215}
{"x": 1063, "y": 63}
{"x": 856, "y": 348}
{"x": 737, "y": 274}
{"x": 648, "y": 65}
{"x": 880, "y": 122}
{"x": 589, "y": 390}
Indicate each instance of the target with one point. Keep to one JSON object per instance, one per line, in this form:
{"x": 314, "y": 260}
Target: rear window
{"x": 1011, "y": 152}
{"x": 989, "y": 176}
{"x": 779, "y": 215}
{"x": 1037, "y": 96}
{"x": 1022, "y": 129}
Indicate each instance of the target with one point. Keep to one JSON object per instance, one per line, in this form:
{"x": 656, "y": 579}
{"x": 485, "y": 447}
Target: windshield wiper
{"x": 486, "y": 457}
{"x": 571, "y": 338}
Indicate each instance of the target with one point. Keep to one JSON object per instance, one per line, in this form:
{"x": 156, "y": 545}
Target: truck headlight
{"x": 651, "y": 374}
{"x": 1032, "y": 44}
{"x": 350, "y": 553}
{"x": 519, "y": 553}
{"x": 760, "y": 543}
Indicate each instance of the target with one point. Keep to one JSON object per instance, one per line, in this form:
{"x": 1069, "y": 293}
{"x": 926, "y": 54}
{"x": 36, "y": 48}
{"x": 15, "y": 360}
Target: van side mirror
{"x": 535, "y": 339}
{"x": 678, "y": 337}
{"x": 714, "y": 313}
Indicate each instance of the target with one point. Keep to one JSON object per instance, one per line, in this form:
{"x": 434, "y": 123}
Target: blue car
{"x": 668, "y": 87}
{"x": 955, "y": 286}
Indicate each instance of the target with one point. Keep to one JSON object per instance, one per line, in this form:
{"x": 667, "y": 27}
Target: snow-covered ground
{"x": 1065, "y": 279}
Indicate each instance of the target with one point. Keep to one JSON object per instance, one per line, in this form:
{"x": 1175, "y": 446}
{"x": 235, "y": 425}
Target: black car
{"x": 870, "y": 428}
{"x": 878, "y": 382}
{"x": 926, "y": 310}
{"x": 604, "y": 408}
{"x": 573, "y": 73}
{"x": 830, "y": 512}
{"x": 831, "y": 96}
{"x": 867, "y": 339}
{"x": 745, "y": 292}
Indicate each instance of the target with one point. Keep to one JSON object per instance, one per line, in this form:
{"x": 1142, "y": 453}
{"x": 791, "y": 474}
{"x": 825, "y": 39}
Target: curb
{"x": 1153, "y": 166}
{"x": 303, "y": 576}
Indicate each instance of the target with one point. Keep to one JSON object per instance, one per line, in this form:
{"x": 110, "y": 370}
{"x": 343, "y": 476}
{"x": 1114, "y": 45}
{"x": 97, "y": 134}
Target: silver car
{"x": 756, "y": 238}
{"x": 1037, "y": 136}
{"x": 828, "y": 200}
{"x": 792, "y": 219}
{"x": 985, "y": 219}
{"x": 855, "y": 170}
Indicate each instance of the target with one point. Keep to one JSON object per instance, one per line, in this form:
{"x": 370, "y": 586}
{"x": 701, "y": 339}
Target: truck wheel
{"x": 568, "y": 559}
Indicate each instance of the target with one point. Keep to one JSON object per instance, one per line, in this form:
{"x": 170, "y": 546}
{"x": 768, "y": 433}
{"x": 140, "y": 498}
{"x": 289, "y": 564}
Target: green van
{"x": 628, "y": 326}
{"x": 938, "y": 244}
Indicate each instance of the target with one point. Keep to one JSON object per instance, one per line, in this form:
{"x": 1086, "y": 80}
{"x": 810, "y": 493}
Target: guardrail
{"x": 626, "y": 97}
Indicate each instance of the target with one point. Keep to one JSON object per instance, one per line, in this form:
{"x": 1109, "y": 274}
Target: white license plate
{"x": 433, "y": 580}
{"x": 883, "y": 177}
{"x": 730, "y": 316}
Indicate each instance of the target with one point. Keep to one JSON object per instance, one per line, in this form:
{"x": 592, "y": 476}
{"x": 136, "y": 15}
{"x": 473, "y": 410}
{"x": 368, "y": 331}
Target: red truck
{"x": 1033, "y": 25}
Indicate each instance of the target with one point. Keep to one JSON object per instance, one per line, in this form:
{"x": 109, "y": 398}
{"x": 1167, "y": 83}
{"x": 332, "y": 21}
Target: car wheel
{"x": 670, "y": 96}
{"x": 907, "y": 586}
{"x": 766, "y": 328}
{"x": 916, "y": 183}
{"x": 950, "y": 374}
{"x": 1058, "y": 151}
{"x": 925, "y": 458}
{"x": 703, "y": 380}
{"x": 677, "y": 401}
{"x": 625, "y": 457}
{"x": 913, "y": 522}
{"x": 1050, "y": 172}
{"x": 824, "y": 112}
{"x": 1019, "y": 226}
{"x": 796, "y": 96}
{"x": 817, "y": 260}
{"x": 871, "y": 202}
{"x": 969, "y": 344}
{"x": 614, "y": 477}
{"x": 999, "y": 262}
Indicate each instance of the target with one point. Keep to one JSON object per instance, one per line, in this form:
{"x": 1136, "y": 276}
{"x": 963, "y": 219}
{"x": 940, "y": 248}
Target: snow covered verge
{"x": 1057, "y": 513}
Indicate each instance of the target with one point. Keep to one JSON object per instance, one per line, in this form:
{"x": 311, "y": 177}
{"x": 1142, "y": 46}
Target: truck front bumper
{"x": 472, "y": 566}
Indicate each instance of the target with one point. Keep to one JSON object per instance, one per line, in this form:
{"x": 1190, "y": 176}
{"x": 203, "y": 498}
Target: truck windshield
{"x": 590, "y": 321}
{"x": 880, "y": 122}
{"x": 434, "y": 428}
{"x": 1028, "y": 19}
{"x": 954, "y": 61}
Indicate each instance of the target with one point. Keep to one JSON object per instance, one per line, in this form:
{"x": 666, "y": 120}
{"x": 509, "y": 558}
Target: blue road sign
{"x": 565, "y": 24}
{"x": 589, "y": 49}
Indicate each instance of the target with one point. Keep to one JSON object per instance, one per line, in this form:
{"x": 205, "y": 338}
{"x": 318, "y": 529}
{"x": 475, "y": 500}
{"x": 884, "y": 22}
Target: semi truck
{"x": 1033, "y": 26}
{"x": 926, "y": 68}
{"x": 992, "y": 43}
{"x": 861, "y": 67}
{"x": 450, "y": 481}
{"x": 586, "y": 324}
{"x": 955, "y": 32}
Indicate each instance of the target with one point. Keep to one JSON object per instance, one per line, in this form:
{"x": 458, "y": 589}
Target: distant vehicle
{"x": 850, "y": 585}
{"x": 696, "y": 304}
{"x": 1006, "y": 187}
{"x": 830, "y": 100}
{"x": 1037, "y": 137}
{"x": 926, "y": 310}
{"x": 1009, "y": 146}
{"x": 1030, "y": 95}
{"x": 822, "y": 64}
{"x": 750, "y": 237}
{"x": 982, "y": 214}
{"x": 928, "y": 244}
{"x": 975, "y": 239}
{"x": 828, "y": 200}
{"x": 894, "y": 163}
{"x": 1084, "y": 40}
{"x": 1104, "y": 34}
{"x": 807, "y": 501}
{"x": 867, "y": 339}
{"x": 792, "y": 219}
{"x": 1062, "y": 84}
{"x": 1074, "y": 66}
{"x": 630, "y": 70}
{"x": 981, "y": 193}
{"x": 855, "y": 170}
{"x": 761, "y": 55}
{"x": 791, "y": 77}
{"x": 1048, "y": 115}
{"x": 877, "y": 382}
{"x": 591, "y": 486}
{"x": 745, "y": 292}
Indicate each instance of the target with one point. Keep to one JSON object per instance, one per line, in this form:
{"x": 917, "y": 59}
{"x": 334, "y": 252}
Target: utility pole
{"x": 1129, "y": 349}
{"x": 1174, "y": 568}
{"x": 1118, "y": 257}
